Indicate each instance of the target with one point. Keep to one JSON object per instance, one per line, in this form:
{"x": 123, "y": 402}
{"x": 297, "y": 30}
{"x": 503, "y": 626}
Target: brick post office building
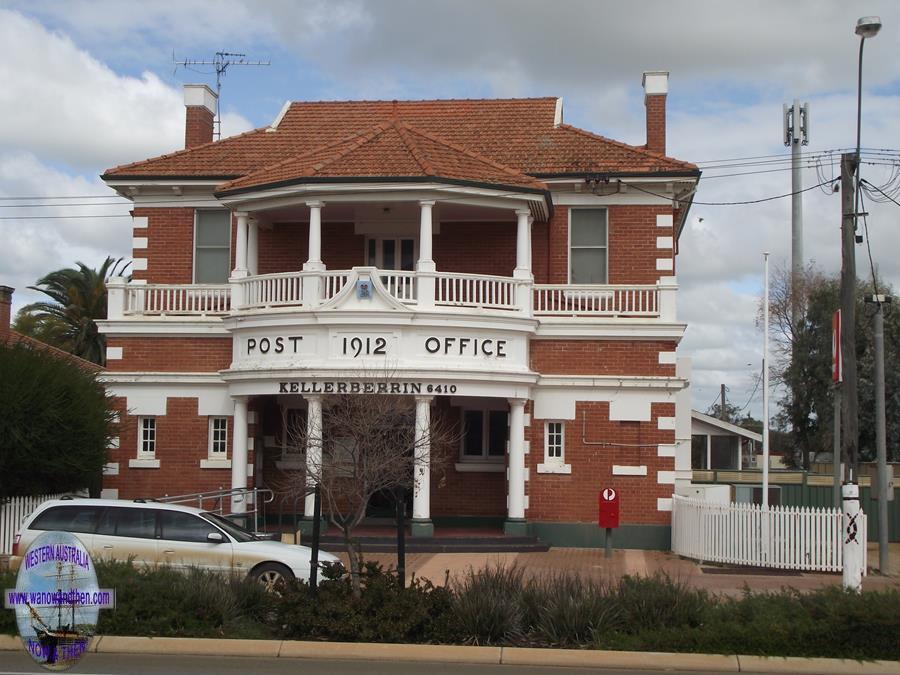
{"x": 515, "y": 273}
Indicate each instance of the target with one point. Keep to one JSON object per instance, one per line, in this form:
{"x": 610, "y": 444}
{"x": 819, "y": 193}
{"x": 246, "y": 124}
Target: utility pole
{"x": 722, "y": 415}
{"x": 796, "y": 134}
{"x": 221, "y": 63}
{"x": 849, "y": 397}
{"x": 880, "y": 441}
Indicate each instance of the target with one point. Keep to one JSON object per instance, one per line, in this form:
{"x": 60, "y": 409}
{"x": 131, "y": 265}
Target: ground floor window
{"x": 484, "y": 435}
{"x": 554, "y": 443}
{"x": 218, "y": 437}
{"x": 146, "y": 437}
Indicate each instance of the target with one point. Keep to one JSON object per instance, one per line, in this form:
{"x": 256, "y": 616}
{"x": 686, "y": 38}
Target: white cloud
{"x": 63, "y": 105}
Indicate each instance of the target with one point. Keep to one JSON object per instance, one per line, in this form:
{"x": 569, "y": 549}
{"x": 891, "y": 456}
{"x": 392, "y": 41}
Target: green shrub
{"x": 164, "y": 602}
{"x": 488, "y": 606}
{"x": 566, "y": 610}
{"x": 7, "y": 616}
{"x": 384, "y": 612}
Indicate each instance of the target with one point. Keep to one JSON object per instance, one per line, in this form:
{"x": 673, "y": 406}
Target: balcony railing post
{"x": 312, "y": 289}
{"x": 525, "y": 297}
{"x": 667, "y": 288}
{"x": 237, "y": 293}
{"x": 115, "y": 299}
{"x": 425, "y": 290}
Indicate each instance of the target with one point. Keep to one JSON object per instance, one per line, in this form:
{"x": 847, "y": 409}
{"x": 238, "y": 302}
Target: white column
{"x": 853, "y": 538}
{"x": 425, "y": 267}
{"x": 115, "y": 297}
{"x": 425, "y": 264}
{"x": 523, "y": 245}
{"x": 314, "y": 259}
{"x": 240, "y": 250}
{"x": 253, "y": 247}
{"x": 667, "y": 287}
{"x": 516, "y": 476}
{"x": 422, "y": 460}
{"x": 239, "y": 453}
{"x": 313, "y": 450}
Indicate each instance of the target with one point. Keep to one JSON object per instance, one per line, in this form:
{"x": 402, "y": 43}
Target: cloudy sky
{"x": 91, "y": 84}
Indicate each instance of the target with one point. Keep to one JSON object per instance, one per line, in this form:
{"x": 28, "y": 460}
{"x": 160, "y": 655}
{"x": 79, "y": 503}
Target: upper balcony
{"x": 467, "y": 294}
{"x": 627, "y": 309}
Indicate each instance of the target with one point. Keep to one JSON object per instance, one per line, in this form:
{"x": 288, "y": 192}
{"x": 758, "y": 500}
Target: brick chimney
{"x": 5, "y": 308}
{"x": 200, "y": 110}
{"x": 656, "y": 86}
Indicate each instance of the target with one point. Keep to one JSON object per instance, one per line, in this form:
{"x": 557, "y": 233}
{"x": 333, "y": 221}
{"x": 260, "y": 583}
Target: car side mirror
{"x": 215, "y": 538}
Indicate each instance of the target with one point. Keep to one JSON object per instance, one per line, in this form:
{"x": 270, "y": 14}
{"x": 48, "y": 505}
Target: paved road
{"x": 143, "y": 664}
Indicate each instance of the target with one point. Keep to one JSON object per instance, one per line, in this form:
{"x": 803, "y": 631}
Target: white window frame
{"x": 142, "y": 452}
{"x": 605, "y": 247}
{"x": 214, "y": 441}
{"x": 194, "y": 249}
{"x": 379, "y": 239}
{"x": 553, "y": 463}
{"x": 485, "y": 458}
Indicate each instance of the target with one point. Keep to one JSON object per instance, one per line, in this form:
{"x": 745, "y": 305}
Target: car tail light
{"x": 15, "y": 546}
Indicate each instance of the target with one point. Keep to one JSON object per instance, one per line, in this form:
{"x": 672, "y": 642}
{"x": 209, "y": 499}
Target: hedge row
{"x": 503, "y": 606}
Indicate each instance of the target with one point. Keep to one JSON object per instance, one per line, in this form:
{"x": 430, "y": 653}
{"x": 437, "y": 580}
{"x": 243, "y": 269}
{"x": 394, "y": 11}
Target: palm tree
{"x": 78, "y": 300}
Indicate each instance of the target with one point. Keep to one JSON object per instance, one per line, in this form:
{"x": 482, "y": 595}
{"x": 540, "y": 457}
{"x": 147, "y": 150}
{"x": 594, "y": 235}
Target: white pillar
{"x": 314, "y": 259}
{"x": 240, "y": 249}
{"x": 516, "y": 472}
{"x": 422, "y": 461}
{"x": 239, "y": 453}
{"x": 853, "y": 538}
{"x": 523, "y": 245}
{"x": 425, "y": 264}
{"x": 253, "y": 247}
{"x": 115, "y": 297}
{"x": 313, "y": 451}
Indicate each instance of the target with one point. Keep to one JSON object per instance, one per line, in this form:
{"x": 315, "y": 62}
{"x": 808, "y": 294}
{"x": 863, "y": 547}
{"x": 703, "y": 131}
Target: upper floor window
{"x": 588, "y": 246}
{"x": 146, "y": 437}
{"x": 212, "y": 246}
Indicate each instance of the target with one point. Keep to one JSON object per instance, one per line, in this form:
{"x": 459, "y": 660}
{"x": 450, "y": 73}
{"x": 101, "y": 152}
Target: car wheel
{"x": 272, "y": 576}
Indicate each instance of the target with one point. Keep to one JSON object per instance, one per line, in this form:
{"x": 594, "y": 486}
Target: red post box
{"x": 609, "y": 508}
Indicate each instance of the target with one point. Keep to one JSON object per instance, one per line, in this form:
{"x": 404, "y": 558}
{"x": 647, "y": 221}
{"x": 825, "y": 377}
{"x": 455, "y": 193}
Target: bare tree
{"x": 367, "y": 443}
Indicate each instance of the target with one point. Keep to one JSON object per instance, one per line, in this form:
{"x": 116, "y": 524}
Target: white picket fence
{"x": 797, "y": 538}
{"x": 12, "y": 513}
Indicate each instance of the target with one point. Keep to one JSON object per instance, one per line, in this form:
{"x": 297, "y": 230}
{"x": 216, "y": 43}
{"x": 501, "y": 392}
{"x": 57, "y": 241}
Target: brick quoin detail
{"x": 573, "y": 497}
{"x": 632, "y": 246}
{"x": 170, "y": 245}
{"x": 600, "y": 357}
{"x": 182, "y": 440}
{"x": 171, "y": 354}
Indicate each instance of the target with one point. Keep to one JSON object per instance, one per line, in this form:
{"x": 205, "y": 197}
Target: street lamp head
{"x": 868, "y": 26}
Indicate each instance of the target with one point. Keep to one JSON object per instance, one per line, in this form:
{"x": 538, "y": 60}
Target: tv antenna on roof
{"x": 221, "y": 63}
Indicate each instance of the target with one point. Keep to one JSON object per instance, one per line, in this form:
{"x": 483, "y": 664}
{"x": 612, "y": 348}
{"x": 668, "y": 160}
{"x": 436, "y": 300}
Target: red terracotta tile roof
{"x": 392, "y": 149}
{"x": 12, "y": 337}
{"x": 517, "y": 133}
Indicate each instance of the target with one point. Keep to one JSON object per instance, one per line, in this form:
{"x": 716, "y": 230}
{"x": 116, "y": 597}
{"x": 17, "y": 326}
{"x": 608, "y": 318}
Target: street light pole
{"x": 854, "y": 542}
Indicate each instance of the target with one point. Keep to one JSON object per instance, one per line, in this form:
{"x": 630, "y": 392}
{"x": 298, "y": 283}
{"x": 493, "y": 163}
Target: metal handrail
{"x": 218, "y": 497}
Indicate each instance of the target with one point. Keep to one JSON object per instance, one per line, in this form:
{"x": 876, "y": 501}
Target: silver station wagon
{"x": 154, "y": 533}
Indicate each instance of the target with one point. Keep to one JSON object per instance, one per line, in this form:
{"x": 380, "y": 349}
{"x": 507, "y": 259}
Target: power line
{"x": 738, "y": 203}
{"x": 880, "y": 190}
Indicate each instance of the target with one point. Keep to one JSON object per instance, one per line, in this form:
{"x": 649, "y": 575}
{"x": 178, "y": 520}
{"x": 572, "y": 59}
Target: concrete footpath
{"x": 449, "y": 654}
{"x": 591, "y": 563}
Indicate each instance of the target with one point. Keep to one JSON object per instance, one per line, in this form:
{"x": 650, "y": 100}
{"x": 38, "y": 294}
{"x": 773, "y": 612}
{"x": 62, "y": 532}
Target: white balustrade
{"x": 333, "y": 283}
{"x": 272, "y": 290}
{"x": 614, "y": 301}
{"x": 401, "y": 285}
{"x": 475, "y": 290}
{"x": 799, "y": 538}
{"x": 180, "y": 299}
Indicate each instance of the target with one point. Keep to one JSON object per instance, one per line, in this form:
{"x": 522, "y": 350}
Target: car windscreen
{"x": 232, "y": 528}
